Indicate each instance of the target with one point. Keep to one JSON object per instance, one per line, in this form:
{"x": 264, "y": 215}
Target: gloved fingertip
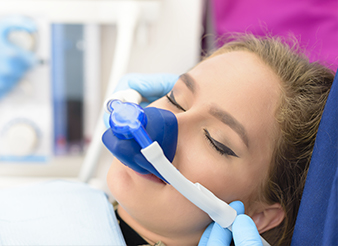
{"x": 219, "y": 236}
{"x": 143, "y": 86}
{"x": 245, "y": 231}
{"x": 245, "y": 219}
{"x": 167, "y": 82}
{"x": 209, "y": 228}
{"x": 238, "y": 206}
{"x": 171, "y": 80}
{"x": 205, "y": 236}
{"x": 153, "y": 85}
{"x": 217, "y": 227}
{"x": 123, "y": 83}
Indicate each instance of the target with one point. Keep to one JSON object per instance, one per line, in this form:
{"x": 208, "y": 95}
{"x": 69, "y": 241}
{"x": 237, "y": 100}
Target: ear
{"x": 268, "y": 218}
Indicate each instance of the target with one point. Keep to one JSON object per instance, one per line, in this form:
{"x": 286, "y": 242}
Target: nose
{"x": 189, "y": 125}
{"x": 162, "y": 127}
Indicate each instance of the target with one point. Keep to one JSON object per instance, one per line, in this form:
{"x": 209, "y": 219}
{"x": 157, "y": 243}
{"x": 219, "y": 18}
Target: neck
{"x": 153, "y": 237}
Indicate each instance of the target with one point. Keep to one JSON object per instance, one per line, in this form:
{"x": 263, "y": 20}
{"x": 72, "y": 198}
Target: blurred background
{"x": 47, "y": 119}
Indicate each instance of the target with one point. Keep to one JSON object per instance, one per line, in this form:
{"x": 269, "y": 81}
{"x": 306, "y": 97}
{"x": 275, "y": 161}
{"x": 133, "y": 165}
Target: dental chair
{"x": 317, "y": 220}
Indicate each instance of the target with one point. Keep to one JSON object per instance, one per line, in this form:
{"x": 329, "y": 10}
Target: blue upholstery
{"x": 317, "y": 218}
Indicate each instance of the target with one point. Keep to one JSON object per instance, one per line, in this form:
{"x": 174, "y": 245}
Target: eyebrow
{"x": 220, "y": 114}
{"x": 229, "y": 120}
{"x": 189, "y": 82}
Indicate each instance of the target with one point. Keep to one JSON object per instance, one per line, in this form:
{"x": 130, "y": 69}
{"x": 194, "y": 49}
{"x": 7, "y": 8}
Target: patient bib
{"x": 57, "y": 213}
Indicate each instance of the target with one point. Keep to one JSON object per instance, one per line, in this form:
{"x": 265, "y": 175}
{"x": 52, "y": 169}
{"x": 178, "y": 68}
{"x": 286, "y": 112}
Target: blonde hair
{"x": 305, "y": 88}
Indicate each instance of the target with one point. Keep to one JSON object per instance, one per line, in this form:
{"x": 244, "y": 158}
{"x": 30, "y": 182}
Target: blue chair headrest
{"x": 317, "y": 217}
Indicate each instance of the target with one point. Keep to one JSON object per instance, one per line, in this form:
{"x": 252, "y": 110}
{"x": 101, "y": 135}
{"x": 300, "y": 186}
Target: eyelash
{"x": 173, "y": 102}
{"x": 225, "y": 151}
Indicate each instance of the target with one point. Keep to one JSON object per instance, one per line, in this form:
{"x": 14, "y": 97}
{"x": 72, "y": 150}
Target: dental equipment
{"x": 129, "y": 122}
{"x": 126, "y": 24}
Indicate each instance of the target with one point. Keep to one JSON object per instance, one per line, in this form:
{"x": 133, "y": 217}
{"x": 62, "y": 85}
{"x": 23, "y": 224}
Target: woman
{"x": 247, "y": 116}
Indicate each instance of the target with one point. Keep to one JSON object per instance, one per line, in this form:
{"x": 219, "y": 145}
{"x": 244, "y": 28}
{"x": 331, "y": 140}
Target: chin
{"x": 152, "y": 204}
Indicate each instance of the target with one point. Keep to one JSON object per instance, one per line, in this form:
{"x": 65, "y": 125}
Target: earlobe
{"x": 268, "y": 218}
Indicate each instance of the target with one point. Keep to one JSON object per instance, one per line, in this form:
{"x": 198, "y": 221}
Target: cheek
{"x": 117, "y": 179}
{"x": 227, "y": 177}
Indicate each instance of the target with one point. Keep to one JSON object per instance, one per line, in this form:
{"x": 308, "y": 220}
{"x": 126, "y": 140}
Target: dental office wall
{"x": 170, "y": 44}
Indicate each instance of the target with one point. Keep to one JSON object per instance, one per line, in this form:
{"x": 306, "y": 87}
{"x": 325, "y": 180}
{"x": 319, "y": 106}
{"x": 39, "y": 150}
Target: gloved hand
{"x": 14, "y": 60}
{"x": 244, "y": 231}
{"x": 150, "y": 86}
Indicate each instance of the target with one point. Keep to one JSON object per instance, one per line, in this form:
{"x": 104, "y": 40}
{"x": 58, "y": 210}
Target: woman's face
{"x": 225, "y": 110}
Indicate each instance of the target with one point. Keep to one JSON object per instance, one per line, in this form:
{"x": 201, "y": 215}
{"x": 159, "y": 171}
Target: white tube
{"x": 218, "y": 210}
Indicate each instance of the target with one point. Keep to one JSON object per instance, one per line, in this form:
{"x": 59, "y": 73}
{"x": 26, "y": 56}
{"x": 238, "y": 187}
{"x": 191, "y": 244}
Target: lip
{"x": 151, "y": 177}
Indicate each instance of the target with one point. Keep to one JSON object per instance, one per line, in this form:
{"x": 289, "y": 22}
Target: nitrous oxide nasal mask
{"x": 145, "y": 140}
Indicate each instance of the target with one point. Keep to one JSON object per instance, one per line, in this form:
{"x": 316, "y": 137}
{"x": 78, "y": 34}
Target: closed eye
{"x": 173, "y": 101}
{"x": 221, "y": 148}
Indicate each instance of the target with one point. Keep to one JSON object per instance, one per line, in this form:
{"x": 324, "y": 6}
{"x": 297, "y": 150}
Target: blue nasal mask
{"x": 145, "y": 140}
{"x": 133, "y": 128}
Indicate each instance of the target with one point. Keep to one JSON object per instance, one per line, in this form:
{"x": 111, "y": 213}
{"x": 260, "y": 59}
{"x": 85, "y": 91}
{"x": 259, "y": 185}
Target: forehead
{"x": 237, "y": 74}
{"x": 242, "y": 66}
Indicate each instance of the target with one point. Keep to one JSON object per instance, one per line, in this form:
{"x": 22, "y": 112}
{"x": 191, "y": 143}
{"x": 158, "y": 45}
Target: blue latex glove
{"x": 150, "y": 86}
{"x": 14, "y": 60}
{"x": 244, "y": 231}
